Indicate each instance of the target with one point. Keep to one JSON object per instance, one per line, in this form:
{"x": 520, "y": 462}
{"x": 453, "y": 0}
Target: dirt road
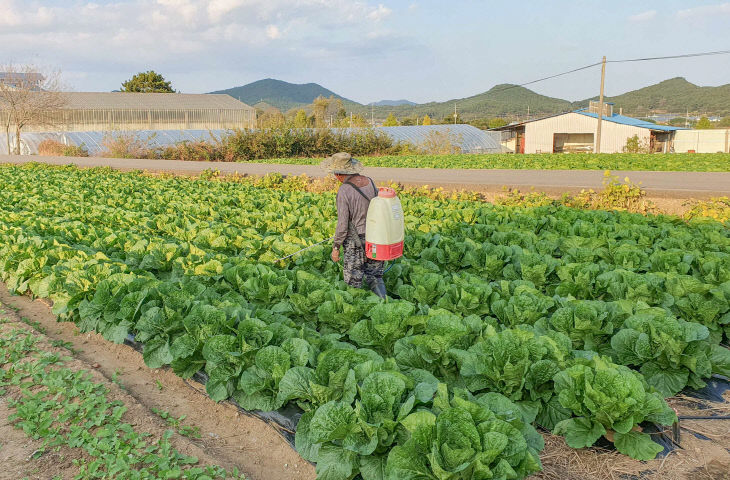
{"x": 667, "y": 184}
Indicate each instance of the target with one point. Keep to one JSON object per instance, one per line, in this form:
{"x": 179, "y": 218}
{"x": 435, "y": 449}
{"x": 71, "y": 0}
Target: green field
{"x": 684, "y": 162}
{"x": 502, "y": 319}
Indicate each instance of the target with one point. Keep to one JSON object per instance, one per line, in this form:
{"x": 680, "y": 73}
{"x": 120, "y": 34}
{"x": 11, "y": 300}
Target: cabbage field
{"x": 665, "y": 162}
{"x": 503, "y": 320}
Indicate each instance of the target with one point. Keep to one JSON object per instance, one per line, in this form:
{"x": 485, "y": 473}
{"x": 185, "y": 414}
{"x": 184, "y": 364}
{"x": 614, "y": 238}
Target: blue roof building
{"x": 575, "y": 131}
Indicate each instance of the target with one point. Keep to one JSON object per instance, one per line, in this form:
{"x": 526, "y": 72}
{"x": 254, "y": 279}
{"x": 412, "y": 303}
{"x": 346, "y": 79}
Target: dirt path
{"x": 229, "y": 439}
{"x": 665, "y": 184}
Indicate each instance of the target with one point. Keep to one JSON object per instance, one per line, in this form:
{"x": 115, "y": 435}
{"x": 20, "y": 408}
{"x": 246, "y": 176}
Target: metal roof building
{"x": 575, "y": 132}
{"x": 124, "y": 111}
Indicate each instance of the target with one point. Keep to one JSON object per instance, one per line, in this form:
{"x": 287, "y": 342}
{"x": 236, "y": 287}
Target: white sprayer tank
{"x": 384, "y": 229}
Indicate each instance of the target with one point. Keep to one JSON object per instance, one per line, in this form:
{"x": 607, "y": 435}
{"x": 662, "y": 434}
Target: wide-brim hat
{"x": 341, "y": 163}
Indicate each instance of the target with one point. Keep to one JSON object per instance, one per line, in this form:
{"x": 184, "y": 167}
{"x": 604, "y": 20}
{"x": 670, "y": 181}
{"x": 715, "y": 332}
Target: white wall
{"x": 539, "y": 134}
{"x": 702, "y": 141}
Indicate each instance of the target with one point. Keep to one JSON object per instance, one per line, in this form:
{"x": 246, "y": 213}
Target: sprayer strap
{"x": 348, "y": 182}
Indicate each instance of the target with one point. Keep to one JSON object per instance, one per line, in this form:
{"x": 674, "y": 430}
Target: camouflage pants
{"x": 356, "y": 265}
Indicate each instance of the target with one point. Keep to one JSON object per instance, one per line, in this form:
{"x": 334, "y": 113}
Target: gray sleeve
{"x": 343, "y": 220}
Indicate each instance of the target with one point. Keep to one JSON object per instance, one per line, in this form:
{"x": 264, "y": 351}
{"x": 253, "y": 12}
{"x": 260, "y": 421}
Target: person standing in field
{"x": 353, "y": 199}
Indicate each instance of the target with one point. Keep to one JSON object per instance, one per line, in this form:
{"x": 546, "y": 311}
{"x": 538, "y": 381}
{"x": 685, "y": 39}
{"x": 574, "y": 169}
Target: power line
{"x": 547, "y": 78}
{"x": 687, "y": 55}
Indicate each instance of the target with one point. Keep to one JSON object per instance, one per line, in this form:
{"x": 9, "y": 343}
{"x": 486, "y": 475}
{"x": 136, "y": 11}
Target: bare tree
{"x": 28, "y": 98}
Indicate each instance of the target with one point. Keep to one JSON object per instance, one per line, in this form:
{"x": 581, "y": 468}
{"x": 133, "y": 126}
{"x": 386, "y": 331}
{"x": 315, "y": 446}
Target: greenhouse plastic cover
{"x": 470, "y": 139}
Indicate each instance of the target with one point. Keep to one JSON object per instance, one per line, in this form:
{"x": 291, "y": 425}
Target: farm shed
{"x": 575, "y": 132}
{"x": 702, "y": 141}
{"x": 123, "y": 111}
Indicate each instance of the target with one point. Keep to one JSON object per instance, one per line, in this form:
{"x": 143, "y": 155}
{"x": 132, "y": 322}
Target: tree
{"x": 147, "y": 82}
{"x": 496, "y": 122}
{"x": 703, "y": 124}
{"x": 426, "y": 120}
{"x": 319, "y": 109}
{"x": 300, "y": 119}
{"x": 725, "y": 122}
{"x": 391, "y": 121}
{"x": 28, "y": 98}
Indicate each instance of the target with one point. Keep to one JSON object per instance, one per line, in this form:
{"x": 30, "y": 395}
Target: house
{"x": 22, "y": 80}
{"x": 576, "y": 132}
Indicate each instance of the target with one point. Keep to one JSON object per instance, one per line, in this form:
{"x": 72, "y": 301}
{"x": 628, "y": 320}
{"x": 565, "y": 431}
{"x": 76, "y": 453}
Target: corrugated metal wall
{"x": 702, "y": 141}
{"x": 539, "y": 134}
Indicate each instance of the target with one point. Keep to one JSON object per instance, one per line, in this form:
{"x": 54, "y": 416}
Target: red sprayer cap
{"x": 386, "y": 192}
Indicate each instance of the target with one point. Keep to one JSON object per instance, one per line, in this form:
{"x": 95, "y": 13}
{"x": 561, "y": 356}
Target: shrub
{"x": 532, "y": 199}
{"x": 616, "y": 195}
{"x": 200, "y": 151}
{"x": 635, "y": 145}
{"x": 127, "y": 145}
{"x": 717, "y": 208}
{"x": 441, "y": 143}
{"x": 55, "y": 148}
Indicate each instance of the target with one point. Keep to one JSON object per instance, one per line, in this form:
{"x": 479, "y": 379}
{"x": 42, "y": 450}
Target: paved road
{"x": 670, "y": 184}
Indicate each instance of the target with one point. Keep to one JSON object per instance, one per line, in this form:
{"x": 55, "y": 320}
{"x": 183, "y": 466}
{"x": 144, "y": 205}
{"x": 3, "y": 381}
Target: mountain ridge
{"x": 674, "y": 95}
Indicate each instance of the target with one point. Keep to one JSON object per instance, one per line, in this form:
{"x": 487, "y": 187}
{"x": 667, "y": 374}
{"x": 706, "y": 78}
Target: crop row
{"x": 576, "y": 321}
{"x": 679, "y": 162}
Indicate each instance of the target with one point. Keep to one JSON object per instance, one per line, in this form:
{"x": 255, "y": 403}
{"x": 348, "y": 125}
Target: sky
{"x": 369, "y": 50}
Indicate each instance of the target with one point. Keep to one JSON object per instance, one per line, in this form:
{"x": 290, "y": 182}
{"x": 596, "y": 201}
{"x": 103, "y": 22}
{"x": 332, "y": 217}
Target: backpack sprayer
{"x": 384, "y": 228}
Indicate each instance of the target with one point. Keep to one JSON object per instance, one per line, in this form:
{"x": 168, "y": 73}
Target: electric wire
{"x": 585, "y": 67}
{"x": 687, "y": 55}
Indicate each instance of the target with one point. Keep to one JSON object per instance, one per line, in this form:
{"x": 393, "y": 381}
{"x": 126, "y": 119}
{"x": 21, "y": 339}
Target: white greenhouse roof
{"x": 469, "y": 139}
{"x": 156, "y": 101}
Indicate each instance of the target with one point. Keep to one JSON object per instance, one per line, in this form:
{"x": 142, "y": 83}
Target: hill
{"x": 280, "y": 94}
{"x": 675, "y": 95}
{"x": 393, "y": 103}
{"x": 502, "y": 99}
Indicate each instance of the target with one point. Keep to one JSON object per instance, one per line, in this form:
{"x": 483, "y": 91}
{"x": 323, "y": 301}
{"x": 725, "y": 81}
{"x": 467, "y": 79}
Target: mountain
{"x": 280, "y": 94}
{"x": 675, "y": 95}
{"x": 393, "y": 103}
{"x": 502, "y": 99}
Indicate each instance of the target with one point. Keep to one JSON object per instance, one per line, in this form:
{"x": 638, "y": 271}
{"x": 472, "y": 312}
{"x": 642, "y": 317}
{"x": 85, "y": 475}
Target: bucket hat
{"x": 341, "y": 163}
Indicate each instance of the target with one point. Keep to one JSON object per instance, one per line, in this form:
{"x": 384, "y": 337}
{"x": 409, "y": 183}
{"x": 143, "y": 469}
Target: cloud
{"x": 643, "y": 16}
{"x": 704, "y": 11}
{"x": 379, "y": 13}
{"x": 132, "y": 26}
{"x": 272, "y": 31}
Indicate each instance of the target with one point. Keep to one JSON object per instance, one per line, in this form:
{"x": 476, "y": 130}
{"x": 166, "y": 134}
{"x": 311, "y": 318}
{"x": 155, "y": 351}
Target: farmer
{"x": 353, "y": 199}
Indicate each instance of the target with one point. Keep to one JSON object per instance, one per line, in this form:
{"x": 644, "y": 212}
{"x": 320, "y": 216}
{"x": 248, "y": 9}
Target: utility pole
{"x": 350, "y": 119}
{"x": 455, "y": 114}
{"x": 372, "y": 115}
{"x": 597, "y": 149}
{"x": 528, "y": 113}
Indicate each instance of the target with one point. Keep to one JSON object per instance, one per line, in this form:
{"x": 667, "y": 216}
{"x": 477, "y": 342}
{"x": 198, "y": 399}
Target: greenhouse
{"x": 466, "y": 138}
{"x": 124, "y": 111}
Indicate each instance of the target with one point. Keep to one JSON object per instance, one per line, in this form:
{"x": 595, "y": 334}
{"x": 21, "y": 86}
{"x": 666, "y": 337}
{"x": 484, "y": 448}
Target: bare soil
{"x": 229, "y": 439}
